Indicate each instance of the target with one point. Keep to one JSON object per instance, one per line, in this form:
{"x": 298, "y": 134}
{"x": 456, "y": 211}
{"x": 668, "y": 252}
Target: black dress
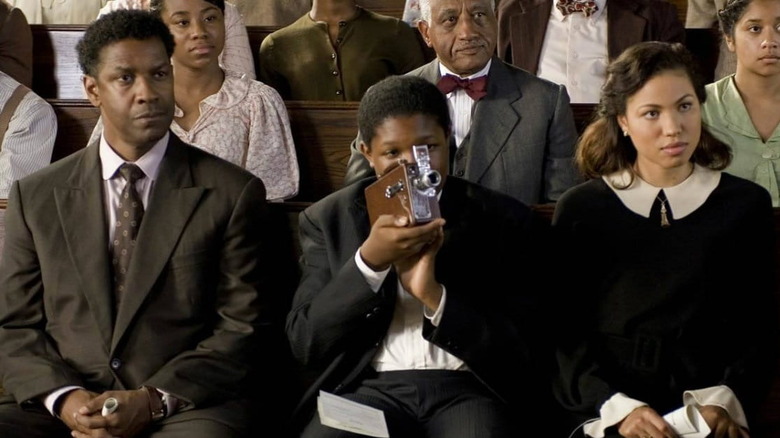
{"x": 655, "y": 311}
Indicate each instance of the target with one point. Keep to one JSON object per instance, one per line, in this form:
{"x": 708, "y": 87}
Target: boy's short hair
{"x": 118, "y": 26}
{"x": 401, "y": 96}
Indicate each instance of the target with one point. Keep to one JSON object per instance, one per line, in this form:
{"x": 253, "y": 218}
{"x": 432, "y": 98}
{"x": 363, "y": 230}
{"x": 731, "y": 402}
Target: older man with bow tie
{"x": 570, "y": 42}
{"x": 511, "y": 131}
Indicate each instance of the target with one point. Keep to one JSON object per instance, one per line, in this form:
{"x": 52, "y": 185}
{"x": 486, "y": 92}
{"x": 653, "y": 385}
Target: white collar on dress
{"x": 684, "y": 198}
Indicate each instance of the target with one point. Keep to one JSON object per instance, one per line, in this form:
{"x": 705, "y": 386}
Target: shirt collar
{"x": 684, "y": 198}
{"x": 445, "y": 71}
{"x": 149, "y": 162}
{"x": 234, "y": 89}
{"x": 602, "y": 4}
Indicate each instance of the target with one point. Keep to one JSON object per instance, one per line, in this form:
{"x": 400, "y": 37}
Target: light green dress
{"x": 724, "y": 114}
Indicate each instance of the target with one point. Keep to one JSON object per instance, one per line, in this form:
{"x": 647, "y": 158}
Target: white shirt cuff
{"x": 721, "y": 396}
{"x": 612, "y": 412}
{"x": 51, "y": 400}
{"x": 373, "y": 278}
{"x": 435, "y": 318}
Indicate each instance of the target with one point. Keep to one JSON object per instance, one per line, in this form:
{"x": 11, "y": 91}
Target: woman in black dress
{"x": 674, "y": 263}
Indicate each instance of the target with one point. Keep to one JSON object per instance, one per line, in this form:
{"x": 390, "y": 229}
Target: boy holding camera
{"x": 431, "y": 323}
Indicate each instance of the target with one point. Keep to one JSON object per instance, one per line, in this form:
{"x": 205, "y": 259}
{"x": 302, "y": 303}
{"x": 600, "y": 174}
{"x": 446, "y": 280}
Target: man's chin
{"x": 469, "y": 66}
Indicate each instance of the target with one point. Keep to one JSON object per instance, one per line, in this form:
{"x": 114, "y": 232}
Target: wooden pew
{"x": 322, "y": 132}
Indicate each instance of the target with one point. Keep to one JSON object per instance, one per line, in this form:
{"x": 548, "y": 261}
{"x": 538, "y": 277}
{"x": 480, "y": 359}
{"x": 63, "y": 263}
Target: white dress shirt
{"x": 404, "y": 348}
{"x": 574, "y": 52}
{"x": 460, "y": 104}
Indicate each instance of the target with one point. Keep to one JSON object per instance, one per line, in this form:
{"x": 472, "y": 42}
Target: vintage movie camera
{"x": 407, "y": 189}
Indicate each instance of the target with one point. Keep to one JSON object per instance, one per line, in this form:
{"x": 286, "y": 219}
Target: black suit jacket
{"x": 493, "y": 245}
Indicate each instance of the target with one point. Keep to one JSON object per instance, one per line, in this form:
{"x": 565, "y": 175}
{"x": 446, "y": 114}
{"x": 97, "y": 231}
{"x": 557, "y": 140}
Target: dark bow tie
{"x": 568, "y": 6}
{"x": 475, "y": 88}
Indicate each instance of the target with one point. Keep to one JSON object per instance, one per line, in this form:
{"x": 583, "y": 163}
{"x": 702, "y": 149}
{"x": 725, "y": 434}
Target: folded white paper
{"x": 688, "y": 422}
{"x": 340, "y": 413}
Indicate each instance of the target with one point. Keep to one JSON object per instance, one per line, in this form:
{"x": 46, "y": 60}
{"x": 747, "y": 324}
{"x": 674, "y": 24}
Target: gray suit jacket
{"x": 521, "y": 140}
{"x": 196, "y": 303}
{"x": 522, "y": 25}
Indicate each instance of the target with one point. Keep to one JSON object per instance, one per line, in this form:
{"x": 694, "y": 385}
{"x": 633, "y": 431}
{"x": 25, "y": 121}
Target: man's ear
{"x": 91, "y": 89}
{"x": 366, "y": 151}
{"x": 422, "y": 27}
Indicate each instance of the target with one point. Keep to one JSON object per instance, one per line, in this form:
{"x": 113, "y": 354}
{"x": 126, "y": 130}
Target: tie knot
{"x": 476, "y": 88}
{"x": 131, "y": 173}
{"x": 587, "y": 7}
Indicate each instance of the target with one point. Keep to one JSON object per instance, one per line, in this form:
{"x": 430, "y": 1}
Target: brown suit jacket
{"x": 195, "y": 306}
{"x": 522, "y": 25}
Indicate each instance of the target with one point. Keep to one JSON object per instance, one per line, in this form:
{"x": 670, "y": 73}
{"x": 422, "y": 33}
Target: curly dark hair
{"x": 400, "y": 96}
{"x": 601, "y": 150}
{"x": 157, "y": 6}
{"x": 732, "y": 11}
{"x": 118, "y": 26}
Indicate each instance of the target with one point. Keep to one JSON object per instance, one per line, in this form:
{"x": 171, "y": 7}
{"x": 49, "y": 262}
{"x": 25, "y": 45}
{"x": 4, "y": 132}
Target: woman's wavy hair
{"x": 601, "y": 149}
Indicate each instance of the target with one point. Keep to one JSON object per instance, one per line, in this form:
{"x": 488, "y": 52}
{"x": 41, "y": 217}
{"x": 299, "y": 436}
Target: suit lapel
{"x": 624, "y": 26}
{"x": 81, "y": 211}
{"x": 171, "y": 204}
{"x": 495, "y": 117}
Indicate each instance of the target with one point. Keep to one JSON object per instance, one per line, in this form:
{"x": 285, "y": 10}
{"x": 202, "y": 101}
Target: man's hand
{"x": 131, "y": 417}
{"x": 71, "y": 403}
{"x": 644, "y": 422}
{"x": 417, "y": 272}
{"x": 721, "y": 424}
{"x": 392, "y": 240}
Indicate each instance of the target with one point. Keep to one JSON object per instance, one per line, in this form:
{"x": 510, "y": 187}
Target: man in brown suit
{"x": 171, "y": 334}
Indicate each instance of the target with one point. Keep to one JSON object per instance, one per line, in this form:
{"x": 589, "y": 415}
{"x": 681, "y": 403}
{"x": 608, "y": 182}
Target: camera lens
{"x": 429, "y": 180}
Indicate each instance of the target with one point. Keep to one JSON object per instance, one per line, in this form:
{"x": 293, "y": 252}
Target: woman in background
{"x": 236, "y": 55}
{"x": 743, "y": 109}
{"x": 674, "y": 279}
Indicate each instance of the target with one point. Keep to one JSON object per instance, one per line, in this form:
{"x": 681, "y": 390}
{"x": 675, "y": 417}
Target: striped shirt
{"x": 29, "y": 140}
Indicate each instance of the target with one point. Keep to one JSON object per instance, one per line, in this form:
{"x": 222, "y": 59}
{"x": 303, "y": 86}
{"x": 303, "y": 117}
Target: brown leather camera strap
{"x": 10, "y": 108}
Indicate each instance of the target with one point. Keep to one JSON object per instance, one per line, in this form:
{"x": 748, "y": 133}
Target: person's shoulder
{"x": 340, "y": 201}
{"x": 424, "y": 70}
{"x": 302, "y": 25}
{"x": 55, "y": 174}
{"x": 718, "y": 87}
{"x": 256, "y": 87}
{"x": 208, "y": 168}
{"x": 383, "y": 21}
{"x": 584, "y": 192}
{"x": 741, "y": 187}
{"x": 477, "y": 197}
